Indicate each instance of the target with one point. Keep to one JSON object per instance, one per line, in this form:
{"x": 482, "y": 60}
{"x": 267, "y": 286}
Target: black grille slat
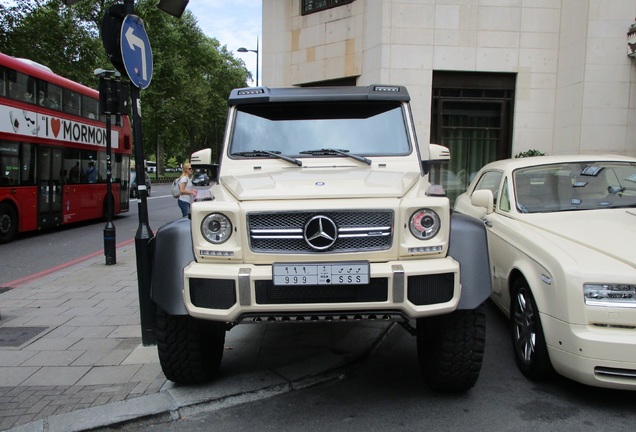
{"x": 281, "y": 233}
{"x": 431, "y": 289}
{"x": 268, "y": 293}
{"x": 212, "y": 293}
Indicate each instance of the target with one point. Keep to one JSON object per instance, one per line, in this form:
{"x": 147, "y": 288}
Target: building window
{"x": 311, "y": 6}
{"x": 471, "y": 114}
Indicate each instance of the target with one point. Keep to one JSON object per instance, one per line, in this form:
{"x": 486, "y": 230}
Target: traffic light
{"x": 113, "y": 97}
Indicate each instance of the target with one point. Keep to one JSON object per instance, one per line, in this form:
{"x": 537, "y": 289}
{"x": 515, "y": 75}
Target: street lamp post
{"x": 244, "y": 50}
{"x": 109, "y": 104}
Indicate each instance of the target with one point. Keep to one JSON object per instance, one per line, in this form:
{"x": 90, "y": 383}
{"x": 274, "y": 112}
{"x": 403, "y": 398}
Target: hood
{"x": 349, "y": 182}
{"x": 611, "y": 232}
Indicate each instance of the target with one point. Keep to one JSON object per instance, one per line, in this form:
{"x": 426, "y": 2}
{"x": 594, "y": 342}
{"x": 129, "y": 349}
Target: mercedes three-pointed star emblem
{"x": 320, "y": 232}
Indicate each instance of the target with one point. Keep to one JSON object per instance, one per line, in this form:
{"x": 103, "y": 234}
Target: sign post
{"x": 136, "y": 56}
{"x": 106, "y": 108}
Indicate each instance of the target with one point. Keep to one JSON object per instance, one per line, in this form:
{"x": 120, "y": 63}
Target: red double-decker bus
{"x": 53, "y": 151}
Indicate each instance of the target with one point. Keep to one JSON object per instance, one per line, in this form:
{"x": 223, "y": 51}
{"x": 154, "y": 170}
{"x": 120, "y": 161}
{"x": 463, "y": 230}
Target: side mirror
{"x": 203, "y": 159}
{"x": 483, "y": 198}
{"x": 438, "y": 153}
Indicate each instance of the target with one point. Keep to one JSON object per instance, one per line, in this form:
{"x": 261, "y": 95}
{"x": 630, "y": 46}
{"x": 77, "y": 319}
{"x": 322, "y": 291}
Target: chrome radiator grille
{"x": 357, "y": 231}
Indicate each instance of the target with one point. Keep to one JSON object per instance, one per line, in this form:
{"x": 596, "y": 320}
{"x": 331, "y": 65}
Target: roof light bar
{"x": 386, "y": 88}
{"x": 251, "y": 91}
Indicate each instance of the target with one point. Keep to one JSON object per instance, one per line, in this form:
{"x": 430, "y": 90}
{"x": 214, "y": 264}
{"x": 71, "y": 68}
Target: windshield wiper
{"x": 337, "y": 152}
{"x": 274, "y": 154}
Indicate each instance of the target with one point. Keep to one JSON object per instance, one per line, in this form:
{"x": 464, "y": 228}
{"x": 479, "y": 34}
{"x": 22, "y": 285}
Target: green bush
{"x": 530, "y": 153}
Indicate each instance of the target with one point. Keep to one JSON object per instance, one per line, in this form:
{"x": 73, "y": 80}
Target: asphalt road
{"x": 386, "y": 393}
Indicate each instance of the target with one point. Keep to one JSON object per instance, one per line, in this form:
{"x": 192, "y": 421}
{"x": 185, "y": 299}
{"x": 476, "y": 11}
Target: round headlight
{"x": 216, "y": 228}
{"x": 424, "y": 224}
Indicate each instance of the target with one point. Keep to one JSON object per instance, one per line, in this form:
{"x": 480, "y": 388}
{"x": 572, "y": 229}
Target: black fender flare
{"x": 173, "y": 251}
{"x": 469, "y": 246}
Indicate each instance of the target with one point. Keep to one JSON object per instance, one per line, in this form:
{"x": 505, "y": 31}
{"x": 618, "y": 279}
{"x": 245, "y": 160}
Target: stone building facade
{"x": 488, "y": 78}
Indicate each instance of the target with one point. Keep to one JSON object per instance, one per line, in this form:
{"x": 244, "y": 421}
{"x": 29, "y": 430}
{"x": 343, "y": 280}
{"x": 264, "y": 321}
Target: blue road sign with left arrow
{"x": 135, "y": 51}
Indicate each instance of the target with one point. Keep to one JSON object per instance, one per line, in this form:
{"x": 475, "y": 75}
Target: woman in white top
{"x": 188, "y": 192}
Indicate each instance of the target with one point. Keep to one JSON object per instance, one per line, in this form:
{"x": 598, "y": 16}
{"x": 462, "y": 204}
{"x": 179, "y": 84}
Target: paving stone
{"x": 14, "y": 357}
{"x": 126, "y": 331}
{"x": 14, "y": 376}
{"x": 86, "y": 320}
{"x": 113, "y": 358}
{"x": 57, "y": 376}
{"x": 9, "y": 422}
{"x": 53, "y": 358}
{"x": 92, "y": 332}
{"x": 48, "y": 321}
{"x": 109, "y": 374}
{"x": 52, "y": 344}
{"x": 95, "y": 344}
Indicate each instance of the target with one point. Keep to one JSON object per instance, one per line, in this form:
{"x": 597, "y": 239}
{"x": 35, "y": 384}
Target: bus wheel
{"x": 8, "y": 223}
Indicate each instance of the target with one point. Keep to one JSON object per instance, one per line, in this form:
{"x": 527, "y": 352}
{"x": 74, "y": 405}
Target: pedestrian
{"x": 188, "y": 192}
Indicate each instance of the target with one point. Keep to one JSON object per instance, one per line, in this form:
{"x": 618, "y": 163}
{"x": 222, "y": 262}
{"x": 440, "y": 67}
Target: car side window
{"x": 490, "y": 180}
{"x": 504, "y": 202}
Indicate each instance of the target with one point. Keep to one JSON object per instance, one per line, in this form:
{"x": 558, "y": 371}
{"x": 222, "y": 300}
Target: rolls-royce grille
{"x": 356, "y": 231}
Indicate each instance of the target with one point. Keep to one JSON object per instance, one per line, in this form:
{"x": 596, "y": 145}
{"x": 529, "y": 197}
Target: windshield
{"x": 359, "y": 128}
{"x": 575, "y": 186}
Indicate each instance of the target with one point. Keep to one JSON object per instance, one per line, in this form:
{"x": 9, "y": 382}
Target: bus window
{"x": 27, "y": 169}
{"x": 71, "y": 165}
{"x": 90, "y": 174}
{"x": 43, "y": 93}
{"x": 21, "y": 87}
{"x": 101, "y": 167}
{"x": 116, "y": 168}
{"x": 9, "y": 165}
{"x": 71, "y": 102}
{"x": 89, "y": 108}
{"x": 54, "y": 98}
{"x": 3, "y": 73}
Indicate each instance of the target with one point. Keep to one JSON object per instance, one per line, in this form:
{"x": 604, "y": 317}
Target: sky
{"x": 234, "y": 23}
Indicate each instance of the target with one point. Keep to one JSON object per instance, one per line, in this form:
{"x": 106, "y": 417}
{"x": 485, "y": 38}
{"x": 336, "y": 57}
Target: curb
{"x": 174, "y": 402}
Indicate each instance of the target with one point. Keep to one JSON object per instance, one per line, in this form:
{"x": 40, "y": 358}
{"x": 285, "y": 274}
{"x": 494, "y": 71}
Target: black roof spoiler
{"x": 378, "y": 92}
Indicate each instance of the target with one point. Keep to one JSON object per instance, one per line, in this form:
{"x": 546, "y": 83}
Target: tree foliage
{"x": 183, "y": 109}
{"x": 51, "y": 34}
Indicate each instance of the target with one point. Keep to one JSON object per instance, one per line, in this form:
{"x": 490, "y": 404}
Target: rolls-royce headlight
{"x": 424, "y": 224}
{"x": 216, "y": 228}
{"x": 616, "y": 295}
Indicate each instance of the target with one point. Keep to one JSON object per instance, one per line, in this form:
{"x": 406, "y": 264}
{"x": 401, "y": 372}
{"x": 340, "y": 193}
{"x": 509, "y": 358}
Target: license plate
{"x": 345, "y": 273}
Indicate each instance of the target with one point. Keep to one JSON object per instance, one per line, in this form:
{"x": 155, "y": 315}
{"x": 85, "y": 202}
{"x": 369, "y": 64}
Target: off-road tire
{"x": 190, "y": 350}
{"x": 450, "y": 349}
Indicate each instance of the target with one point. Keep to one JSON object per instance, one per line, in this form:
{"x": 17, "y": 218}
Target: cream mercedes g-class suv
{"x": 322, "y": 210}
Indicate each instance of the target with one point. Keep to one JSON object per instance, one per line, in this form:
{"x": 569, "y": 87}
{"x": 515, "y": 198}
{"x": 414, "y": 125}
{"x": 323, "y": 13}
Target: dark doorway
{"x": 49, "y": 186}
{"x": 472, "y": 115}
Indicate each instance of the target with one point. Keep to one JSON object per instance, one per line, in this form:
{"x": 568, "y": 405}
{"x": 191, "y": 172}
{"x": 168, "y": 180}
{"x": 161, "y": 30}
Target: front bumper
{"x": 592, "y": 355}
{"x": 236, "y": 292}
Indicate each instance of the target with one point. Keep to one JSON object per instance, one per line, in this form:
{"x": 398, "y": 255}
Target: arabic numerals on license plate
{"x": 350, "y": 274}
{"x": 355, "y": 273}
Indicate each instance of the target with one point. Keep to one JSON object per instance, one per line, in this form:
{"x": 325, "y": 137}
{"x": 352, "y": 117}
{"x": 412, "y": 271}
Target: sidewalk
{"x": 71, "y": 356}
